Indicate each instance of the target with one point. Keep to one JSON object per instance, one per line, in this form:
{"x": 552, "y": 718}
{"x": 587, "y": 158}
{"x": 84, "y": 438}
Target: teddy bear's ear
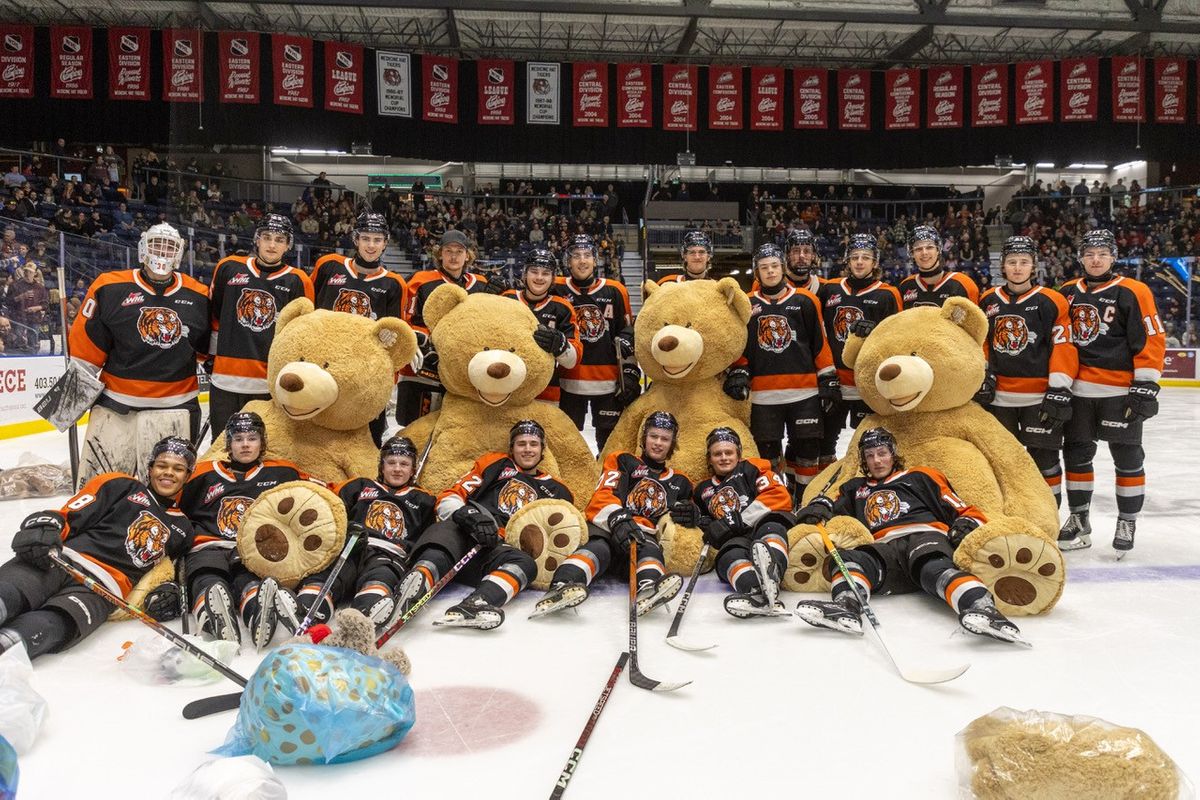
{"x": 397, "y": 338}
{"x": 297, "y": 308}
{"x": 441, "y": 302}
{"x": 968, "y": 316}
{"x": 736, "y": 298}
{"x": 649, "y": 288}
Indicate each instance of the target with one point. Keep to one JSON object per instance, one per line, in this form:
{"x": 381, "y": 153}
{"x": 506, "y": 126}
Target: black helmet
{"x": 246, "y": 422}
{"x": 1098, "y": 237}
{"x": 276, "y": 223}
{"x": 924, "y": 233}
{"x": 173, "y": 444}
{"x": 798, "y": 237}
{"x": 370, "y": 222}
{"x": 541, "y": 257}
{"x": 665, "y": 421}
{"x": 862, "y": 241}
{"x": 1018, "y": 244}
{"x": 876, "y": 437}
{"x": 525, "y": 427}
{"x": 580, "y": 241}
{"x": 723, "y": 434}
{"x": 695, "y": 238}
{"x": 398, "y": 446}
{"x": 768, "y": 250}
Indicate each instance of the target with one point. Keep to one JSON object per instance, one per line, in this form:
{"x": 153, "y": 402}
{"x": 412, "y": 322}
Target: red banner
{"x": 944, "y": 99}
{"x": 439, "y": 81}
{"x": 854, "y": 99}
{"x": 989, "y": 95}
{"x": 1170, "y": 90}
{"x": 292, "y": 63}
{"x": 1035, "y": 91}
{"x": 71, "y": 63}
{"x": 497, "y": 95}
{"x": 16, "y": 61}
{"x": 725, "y": 98}
{"x": 129, "y": 63}
{"x": 766, "y": 99}
{"x": 810, "y": 97}
{"x": 183, "y": 65}
{"x": 344, "y": 77}
{"x": 237, "y": 67}
{"x": 901, "y": 99}
{"x": 1079, "y": 89}
{"x": 1128, "y": 81}
{"x": 680, "y": 89}
{"x": 589, "y": 94}
{"x": 634, "y": 109}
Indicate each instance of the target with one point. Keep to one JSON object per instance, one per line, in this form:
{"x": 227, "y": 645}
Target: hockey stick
{"x": 673, "y": 633}
{"x": 635, "y": 675}
{"x": 433, "y": 590}
{"x": 568, "y": 770}
{"x": 181, "y": 581}
{"x": 207, "y": 706}
{"x": 327, "y": 586}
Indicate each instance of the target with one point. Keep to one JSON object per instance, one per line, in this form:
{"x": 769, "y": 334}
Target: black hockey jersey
{"x": 216, "y": 497}
{"x": 753, "y": 490}
{"x": 1028, "y": 345}
{"x": 339, "y": 287}
{"x": 785, "y": 347}
{"x": 601, "y": 312}
{"x": 841, "y": 307}
{"x": 1118, "y": 333}
{"x": 401, "y": 515}
{"x": 915, "y": 292}
{"x": 908, "y": 501}
{"x": 629, "y": 482}
{"x": 555, "y": 312}
{"x": 420, "y": 286}
{"x": 496, "y": 483}
{"x": 812, "y": 284}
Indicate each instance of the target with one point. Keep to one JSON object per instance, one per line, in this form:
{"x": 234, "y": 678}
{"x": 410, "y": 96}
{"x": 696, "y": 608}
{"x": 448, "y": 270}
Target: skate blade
{"x": 572, "y": 600}
{"x": 1081, "y": 542}
{"x": 680, "y": 644}
{"x": 1001, "y": 635}
{"x": 818, "y": 620}
{"x": 465, "y": 622}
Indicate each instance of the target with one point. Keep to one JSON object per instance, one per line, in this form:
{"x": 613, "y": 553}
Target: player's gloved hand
{"x": 819, "y": 510}
{"x": 716, "y": 531}
{"x": 164, "y": 602}
{"x": 1142, "y": 401}
{"x": 40, "y": 533}
{"x": 429, "y": 363}
{"x": 630, "y": 387}
{"x": 492, "y": 286}
{"x": 829, "y": 389}
{"x": 624, "y": 343}
{"x": 862, "y": 327}
{"x": 987, "y": 392}
{"x": 1055, "y": 407}
{"x": 959, "y": 530}
{"x": 551, "y": 340}
{"x": 737, "y": 384}
{"x": 685, "y": 513}
{"x": 479, "y": 526}
{"x": 624, "y": 529}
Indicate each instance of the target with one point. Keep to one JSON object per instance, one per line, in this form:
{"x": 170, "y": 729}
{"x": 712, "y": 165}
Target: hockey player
{"x": 745, "y": 513}
{"x": 215, "y": 500}
{"x": 142, "y": 332}
{"x": 474, "y": 511}
{"x": 696, "y": 254}
{"x": 248, "y": 292}
{"x": 115, "y": 529}
{"x": 1116, "y": 328}
{"x": 854, "y": 304}
{"x": 601, "y": 311}
{"x": 932, "y": 284}
{"x": 556, "y": 333}
{"x": 1031, "y": 357}
{"x": 917, "y": 521}
{"x": 634, "y": 493}
{"x": 802, "y": 261}
{"x": 786, "y": 369}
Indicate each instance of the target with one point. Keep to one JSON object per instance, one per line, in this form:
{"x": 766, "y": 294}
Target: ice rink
{"x": 776, "y": 707}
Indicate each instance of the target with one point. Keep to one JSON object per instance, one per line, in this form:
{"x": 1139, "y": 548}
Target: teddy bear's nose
{"x": 290, "y": 382}
{"x": 890, "y": 372}
{"x": 668, "y": 343}
{"x": 498, "y": 370}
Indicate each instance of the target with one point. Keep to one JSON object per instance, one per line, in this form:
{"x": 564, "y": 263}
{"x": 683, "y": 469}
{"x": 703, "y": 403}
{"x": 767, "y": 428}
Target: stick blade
{"x": 690, "y": 647}
{"x": 642, "y": 682}
{"x": 206, "y": 706}
{"x": 933, "y": 676}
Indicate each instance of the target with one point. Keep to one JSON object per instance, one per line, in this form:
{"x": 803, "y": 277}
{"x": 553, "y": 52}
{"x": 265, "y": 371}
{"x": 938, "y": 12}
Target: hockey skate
{"x": 768, "y": 572}
{"x": 287, "y": 610}
{"x": 654, "y": 593}
{"x": 1076, "y": 533}
{"x": 1123, "y": 538}
{"x": 473, "y": 612}
{"x": 214, "y": 615}
{"x": 558, "y": 597}
{"x": 379, "y": 612}
{"x": 843, "y": 614}
{"x": 412, "y": 589}
{"x": 261, "y": 621}
{"x": 744, "y": 606}
{"x": 984, "y": 619}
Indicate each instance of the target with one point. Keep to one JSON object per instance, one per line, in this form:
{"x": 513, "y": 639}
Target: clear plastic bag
{"x": 1039, "y": 755}
{"x": 32, "y": 477}
{"x": 241, "y": 778}
{"x": 21, "y": 708}
{"x": 155, "y": 659}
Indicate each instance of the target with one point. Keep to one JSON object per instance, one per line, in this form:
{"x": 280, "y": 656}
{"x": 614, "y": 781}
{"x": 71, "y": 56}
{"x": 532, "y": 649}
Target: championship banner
{"x": 1170, "y": 90}
{"x": 1035, "y": 101}
{"x": 393, "y": 81}
{"x": 16, "y": 61}
{"x": 71, "y": 63}
{"x": 634, "y": 109}
{"x": 183, "y": 65}
{"x": 542, "y": 92}
{"x": 237, "y": 67}
{"x": 1128, "y": 80}
{"x": 439, "y": 89}
{"x": 901, "y": 99}
{"x": 129, "y": 63}
{"x": 589, "y": 95}
{"x": 1079, "y": 89}
{"x": 344, "y": 77}
{"x": 679, "y": 97}
{"x": 854, "y": 99}
{"x": 989, "y": 95}
{"x": 810, "y": 97}
{"x": 725, "y": 98}
{"x": 766, "y": 98}
{"x": 944, "y": 102}
{"x": 292, "y": 63}
{"x": 497, "y": 92}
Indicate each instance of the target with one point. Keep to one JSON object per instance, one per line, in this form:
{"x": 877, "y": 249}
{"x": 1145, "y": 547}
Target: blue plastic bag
{"x": 9, "y": 773}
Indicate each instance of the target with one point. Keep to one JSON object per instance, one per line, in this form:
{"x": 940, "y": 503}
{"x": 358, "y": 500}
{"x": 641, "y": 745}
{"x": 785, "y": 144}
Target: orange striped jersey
{"x": 1028, "y": 345}
{"x": 145, "y": 338}
{"x": 602, "y": 311}
{"x": 339, "y": 286}
{"x": 813, "y": 284}
{"x": 118, "y": 529}
{"x": 246, "y": 300}
{"x": 750, "y": 492}
{"x": 785, "y": 347}
{"x": 397, "y": 515}
{"x": 216, "y": 497}
{"x": 915, "y": 292}
{"x": 841, "y": 306}
{"x": 422, "y": 284}
{"x": 496, "y": 483}
{"x": 908, "y": 501}
{"x": 641, "y": 487}
{"x": 1118, "y": 333}
{"x": 554, "y": 312}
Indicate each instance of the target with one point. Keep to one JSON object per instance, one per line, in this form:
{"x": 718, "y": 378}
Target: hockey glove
{"x": 1056, "y": 407}
{"x": 1142, "y": 401}
{"x": 987, "y": 392}
{"x": 829, "y": 390}
{"x": 631, "y": 386}
{"x": 163, "y": 602}
{"x": 40, "y": 533}
{"x": 472, "y": 521}
{"x": 685, "y": 513}
{"x": 551, "y": 340}
{"x": 959, "y": 530}
{"x": 819, "y": 510}
{"x": 716, "y": 531}
{"x": 737, "y": 384}
{"x": 623, "y": 529}
{"x": 624, "y": 342}
{"x": 862, "y": 327}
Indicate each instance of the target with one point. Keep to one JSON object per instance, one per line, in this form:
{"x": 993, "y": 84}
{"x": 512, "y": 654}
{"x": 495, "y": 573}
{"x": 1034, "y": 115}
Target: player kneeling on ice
{"x": 633, "y": 494}
{"x": 917, "y": 521}
{"x": 474, "y": 511}
{"x": 116, "y": 529}
{"x": 745, "y": 515}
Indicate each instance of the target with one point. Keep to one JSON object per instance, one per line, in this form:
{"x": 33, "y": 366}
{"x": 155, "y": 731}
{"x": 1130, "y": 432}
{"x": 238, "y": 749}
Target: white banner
{"x": 23, "y": 381}
{"x": 542, "y": 95}
{"x": 393, "y": 76}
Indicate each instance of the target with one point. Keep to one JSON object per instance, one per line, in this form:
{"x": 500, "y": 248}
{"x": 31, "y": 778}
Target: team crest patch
{"x": 387, "y": 518}
{"x": 354, "y": 302}
{"x": 256, "y": 309}
{"x": 647, "y": 499}
{"x": 1086, "y": 325}
{"x": 843, "y": 319}
{"x": 883, "y": 507}
{"x": 1012, "y": 335}
{"x": 160, "y": 327}
{"x": 229, "y": 515}
{"x": 774, "y": 333}
{"x": 592, "y": 324}
{"x": 725, "y": 503}
{"x": 146, "y": 539}
{"x": 514, "y": 495}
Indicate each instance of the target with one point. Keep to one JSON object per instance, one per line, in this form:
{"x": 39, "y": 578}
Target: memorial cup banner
{"x": 725, "y": 98}
{"x": 16, "y": 61}
{"x": 393, "y": 82}
{"x": 497, "y": 92}
{"x": 237, "y": 67}
{"x": 766, "y": 98}
{"x": 810, "y": 90}
{"x": 71, "y": 62}
{"x": 944, "y": 97}
{"x": 680, "y": 90}
{"x": 292, "y": 64}
{"x": 543, "y": 93}
{"x": 1035, "y": 91}
{"x": 1079, "y": 89}
{"x": 183, "y": 65}
{"x": 902, "y": 99}
{"x": 1170, "y": 89}
{"x": 989, "y": 95}
{"x": 1128, "y": 83}
{"x": 589, "y": 94}
{"x": 634, "y": 109}
{"x": 129, "y": 63}
{"x": 854, "y": 99}
{"x": 439, "y": 89}
{"x": 344, "y": 75}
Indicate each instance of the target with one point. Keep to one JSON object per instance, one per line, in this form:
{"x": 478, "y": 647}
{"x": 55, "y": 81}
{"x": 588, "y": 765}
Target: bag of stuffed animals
{"x": 153, "y": 659}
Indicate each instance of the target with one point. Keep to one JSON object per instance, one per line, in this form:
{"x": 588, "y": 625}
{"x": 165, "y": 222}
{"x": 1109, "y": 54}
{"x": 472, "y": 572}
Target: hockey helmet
{"x": 398, "y": 446}
{"x": 695, "y": 238}
{"x": 160, "y": 250}
{"x": 275, "y": 223}
{"x": 798, "y": 237}
{"x": 765, "y": 251}
{"x": 1098, "y": 237}
{"x": 723, "y": 434}
{"x": 540, "y": 257}
{"x": 580, "y": 241}
{"x": 370, "y": 222}
{"x": 173, "y": 444}
{"x": 664, "y": 421}
{"x": 862, "y": 241}
{"x": 925, "y": 233}
{"x": 526, "y": 427}
{"x": 246, "y": 422}
{"x": 877, "y": 437}
{"x": 1015, "y": 245}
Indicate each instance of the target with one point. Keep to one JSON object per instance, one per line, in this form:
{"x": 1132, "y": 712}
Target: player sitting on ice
{"x": 115, "y": 529}
{"x": 745, "y": 515}
{"x": 474, "y": 511}
{"x": 633, "y": 494}
{"x": 917, "y": 521}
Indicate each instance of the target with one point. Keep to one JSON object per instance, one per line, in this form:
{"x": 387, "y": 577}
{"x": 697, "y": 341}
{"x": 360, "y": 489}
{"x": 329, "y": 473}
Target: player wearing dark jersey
{"x": 933, "y": 284}
{"x": 802, "y": 261}
{"x": 116, "y": 529}
{"x": 916, "y": 520}
{"x": 1116, "y": 328}
{"x": 247, "y": 293}
{"x": 745, "y": 514}
{"x": 695, "y": 251}
{"x": 556, "y": 333}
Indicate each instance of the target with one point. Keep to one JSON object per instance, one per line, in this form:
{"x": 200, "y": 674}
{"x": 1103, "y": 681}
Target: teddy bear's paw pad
{"x": 1025, "y": 573}
{"x": 805, "y": 557}
{"x": 548, "y": 530}
{"x": 291, "y": 531}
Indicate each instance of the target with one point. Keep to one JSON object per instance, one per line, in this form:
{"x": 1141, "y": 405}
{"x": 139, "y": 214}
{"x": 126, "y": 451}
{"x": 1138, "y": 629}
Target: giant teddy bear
{"x": 918, "y": 371}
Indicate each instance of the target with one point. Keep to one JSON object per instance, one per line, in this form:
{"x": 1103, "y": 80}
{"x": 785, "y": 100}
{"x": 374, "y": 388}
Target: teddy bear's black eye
{"x": 688, "y": 325}
{"x": 486, "y": 349}
{"x": 913, "y": 353}
{"x": 301, "y": 359}
{"x": 512, "y": 350}
{"x": 325, "y": 365}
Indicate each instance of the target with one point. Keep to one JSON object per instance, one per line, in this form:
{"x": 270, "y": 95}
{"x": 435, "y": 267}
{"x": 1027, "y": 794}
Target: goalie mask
{"x": 160, "y": 250}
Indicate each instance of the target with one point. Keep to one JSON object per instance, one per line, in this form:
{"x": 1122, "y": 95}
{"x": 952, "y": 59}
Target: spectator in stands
{"x": 321, "y": 187}
{"x": 156, "y": 192}
{"x": 14, "y": 178}
{"x": 28, "y": 302}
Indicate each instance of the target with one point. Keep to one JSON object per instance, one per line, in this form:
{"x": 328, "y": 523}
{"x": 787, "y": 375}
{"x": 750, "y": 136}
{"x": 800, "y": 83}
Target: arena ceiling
{"x": 875, "y": 33}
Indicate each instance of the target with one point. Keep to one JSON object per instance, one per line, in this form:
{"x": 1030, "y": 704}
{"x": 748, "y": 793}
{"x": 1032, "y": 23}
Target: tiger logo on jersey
{"x": 514, "y": 495}
{"x": 385, "y": 517}
{"x": 882, "y": 508}
{"x": 647, "y": 499}
{"x": 1086, "y": 325}
{"x": 256, "y": 309}
{"x": 843, "y": 320}
{"x": 229, "y": 515}
{"x": 354, "y": 302}
{"x": 1011, "y": 335}
{"x": 160, "y": 327}
{"x": 774, "y": 333}
{"x": 592, "y": 324}
{"x": 725, "y": 503}
{"x": 146, "y": 539}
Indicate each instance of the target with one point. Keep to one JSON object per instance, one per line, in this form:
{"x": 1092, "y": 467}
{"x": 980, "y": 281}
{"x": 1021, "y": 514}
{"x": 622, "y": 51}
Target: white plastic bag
{"x": 155, "y": 659}
{"x": 239, "y": 778}
{"x": 21, "y": 708}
